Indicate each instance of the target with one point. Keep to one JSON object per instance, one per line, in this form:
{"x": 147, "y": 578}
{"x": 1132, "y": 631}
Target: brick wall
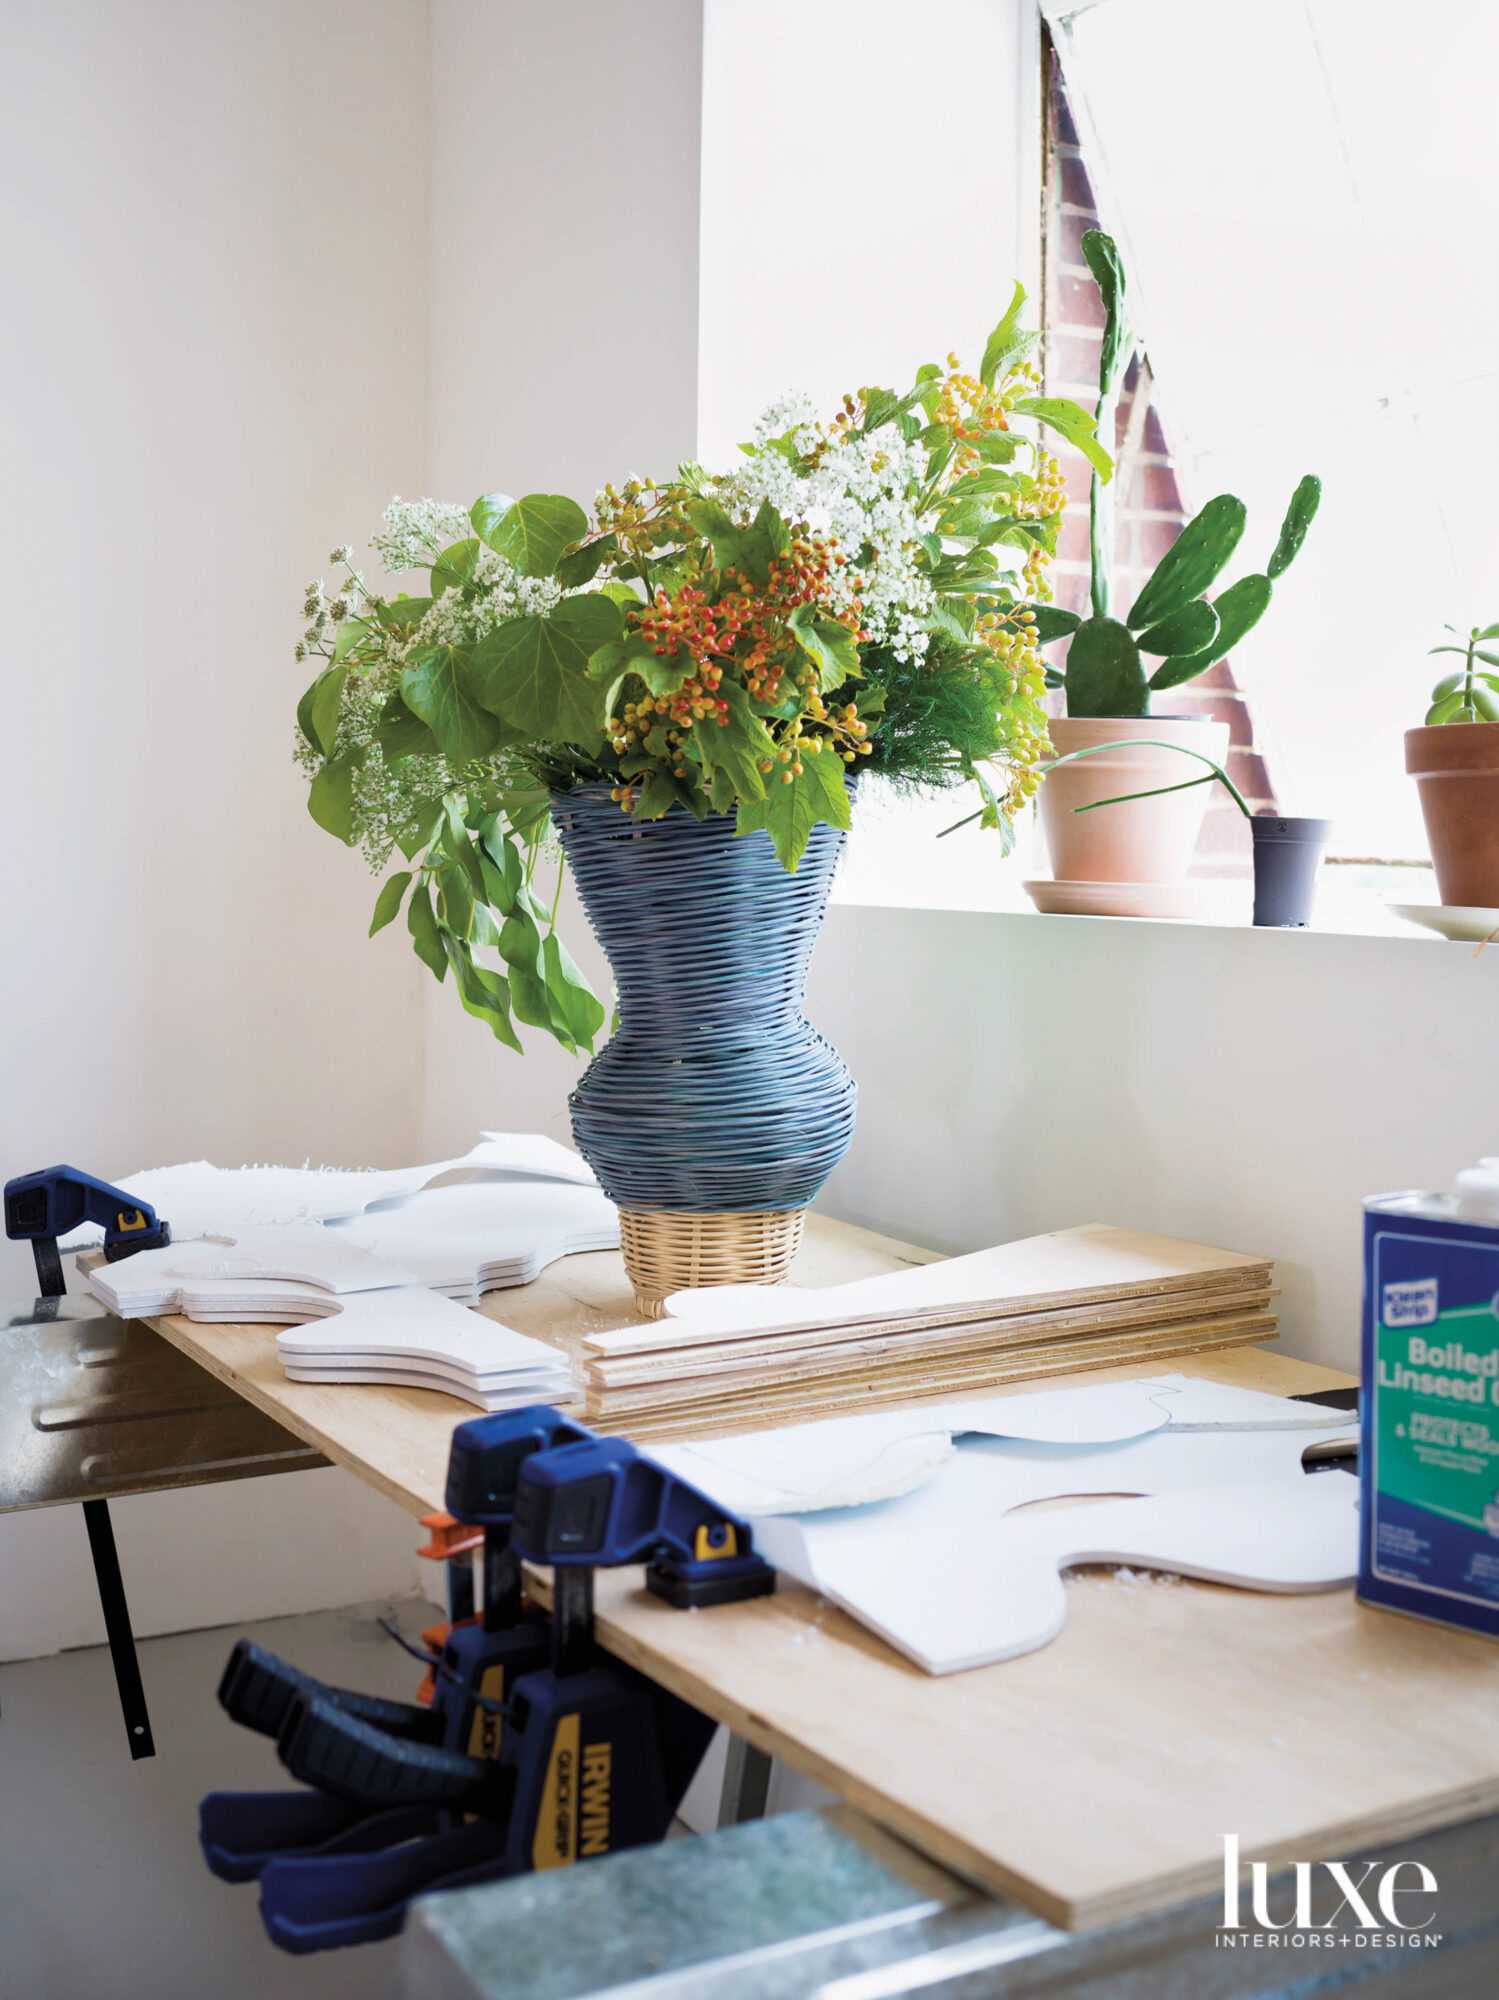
{"x": 1150, "y": 510}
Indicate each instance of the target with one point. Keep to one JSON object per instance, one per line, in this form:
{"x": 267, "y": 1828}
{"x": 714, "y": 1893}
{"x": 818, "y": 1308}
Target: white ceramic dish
{"x": 1460, "y": 922}
{"x": 1120, "y": 899}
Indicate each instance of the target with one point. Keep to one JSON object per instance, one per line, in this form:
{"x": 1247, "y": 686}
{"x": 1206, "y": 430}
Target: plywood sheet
{"x": 687, "y": 1409}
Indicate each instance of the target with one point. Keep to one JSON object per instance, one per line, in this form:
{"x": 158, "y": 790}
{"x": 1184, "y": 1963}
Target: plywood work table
{"x": 1091, "y": 1780}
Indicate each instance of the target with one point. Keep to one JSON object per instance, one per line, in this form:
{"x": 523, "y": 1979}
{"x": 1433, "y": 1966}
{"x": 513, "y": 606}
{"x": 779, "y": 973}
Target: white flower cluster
{"x": 460, "y": 616}
{"x": 861, "y": 490}
{"x": 417, "y": 531}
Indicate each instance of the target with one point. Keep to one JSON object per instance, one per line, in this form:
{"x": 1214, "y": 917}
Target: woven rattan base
{"x": 667, "y": 1251}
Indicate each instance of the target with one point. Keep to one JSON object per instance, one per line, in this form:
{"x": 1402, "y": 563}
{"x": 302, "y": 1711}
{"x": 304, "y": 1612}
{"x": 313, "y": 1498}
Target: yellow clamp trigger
{"x": 704, "y": 1551}
{"x": 130, "y": 1218}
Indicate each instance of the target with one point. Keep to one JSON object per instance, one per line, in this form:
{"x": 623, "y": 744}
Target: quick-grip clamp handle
{"x": 601, "y": 1503}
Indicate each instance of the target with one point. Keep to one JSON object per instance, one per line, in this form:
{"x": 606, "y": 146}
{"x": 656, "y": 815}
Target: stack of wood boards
{"x": 1090, "y": 1297}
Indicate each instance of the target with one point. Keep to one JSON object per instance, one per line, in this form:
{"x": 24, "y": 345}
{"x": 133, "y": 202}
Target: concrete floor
{"x": 104, "y": 1894}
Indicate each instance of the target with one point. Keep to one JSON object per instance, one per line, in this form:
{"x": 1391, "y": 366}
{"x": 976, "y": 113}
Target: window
{"x": 1150, "y": 508}
{"x": 1305, "y": 193}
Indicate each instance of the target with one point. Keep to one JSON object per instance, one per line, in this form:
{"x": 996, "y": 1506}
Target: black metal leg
{"x": 101, "y": 1541}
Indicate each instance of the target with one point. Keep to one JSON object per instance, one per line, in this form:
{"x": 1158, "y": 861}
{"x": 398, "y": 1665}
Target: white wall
{"x": 564, "y": 344}
{"x": 869, "y": 194}
{"x": 1240, "y": 1087}
{"x": 213, "y": 345}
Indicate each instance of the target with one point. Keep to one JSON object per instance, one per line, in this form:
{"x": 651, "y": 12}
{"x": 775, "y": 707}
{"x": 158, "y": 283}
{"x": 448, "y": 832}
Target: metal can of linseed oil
{"x": 1429, "y": 1452}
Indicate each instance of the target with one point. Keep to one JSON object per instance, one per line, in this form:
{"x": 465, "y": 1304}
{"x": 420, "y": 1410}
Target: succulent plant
{"x": 1469, "y": 695}
{"x": 1172, "y": 618}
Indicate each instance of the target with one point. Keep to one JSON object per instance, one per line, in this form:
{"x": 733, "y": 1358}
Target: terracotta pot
{"x": 1148, "y": 840}
{"x": 1456, "y": 769}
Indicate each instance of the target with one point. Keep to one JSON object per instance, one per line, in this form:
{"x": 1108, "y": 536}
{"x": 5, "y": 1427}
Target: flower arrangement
{"x": 855, "y": 594}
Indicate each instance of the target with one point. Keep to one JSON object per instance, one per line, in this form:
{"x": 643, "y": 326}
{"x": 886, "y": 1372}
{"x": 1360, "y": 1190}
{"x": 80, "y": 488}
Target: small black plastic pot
{"x": 1286, "y": 853}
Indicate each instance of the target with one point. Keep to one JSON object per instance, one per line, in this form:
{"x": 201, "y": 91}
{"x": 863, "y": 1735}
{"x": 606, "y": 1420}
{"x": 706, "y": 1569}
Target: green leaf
{"x": 1072, "y": 422}
{"x": 1054, "y": 623}
{"x": 455, "y": 900}
{"x": 348, "y": 636}
{"x": 1191, "y": 563}
{"x": 399, "y": 733}
{"x": 1190, "y": 630}
{"x": 746, "y": 549}
{"x": 584, "y": 564}
{"x": 330, "y": 799}
{"x": 1491, "y": 659}
{"x": 520, "y": 940}
{"x": 1240, "y": 608}
{"x": 424, "y": 826}
{"x": 885, "y": 407}
{"x": 533, "y": 672}
{"x": 508, "y": 877}
{"x": 487, "y": 513}
{"x": 532, "y": 533}
{"x": 1007, "y": 343}
{"x": 1104, "y": 675}
{"x": 388, "y": 902}
{"x": 1304, "y": 503}
{"x": 317, "y": 711}
{"x": 458, "y": 848}
{"x": 402, "y": 615}
{"x": 634, "y": 655}
{"x": 723, "y": 796}
{"x": 953, "y": 615}
{"x": 572, "y": 997}
{"x": 426, "y": 939}
{"x": 434, "y": 686}
{"x": 831, "y": 646}
{"x": 788, "y": 813}
{"x": 736, "y": 747}
{"x": 1488, "y": 632}
{"x": 485, "y": 994}
{"x": 484, "y": 929}
{"x": 1445, "y": 710}
{"x": 455, "y": 566}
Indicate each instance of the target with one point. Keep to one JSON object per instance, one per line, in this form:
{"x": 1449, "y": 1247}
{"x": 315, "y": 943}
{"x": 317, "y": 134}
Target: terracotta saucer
{"x": 1120, "y": 899}
{"x": 1459, "y": 922}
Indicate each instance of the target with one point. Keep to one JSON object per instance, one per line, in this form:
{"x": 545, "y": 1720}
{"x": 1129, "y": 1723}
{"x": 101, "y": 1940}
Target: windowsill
{"x": 896, "y": 859}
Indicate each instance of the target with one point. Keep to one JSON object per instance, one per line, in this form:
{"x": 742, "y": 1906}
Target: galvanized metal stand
{"x": 91, "y": 1406}
{"x": 825, "y": 1906}
{"x": 746, "y": 1783}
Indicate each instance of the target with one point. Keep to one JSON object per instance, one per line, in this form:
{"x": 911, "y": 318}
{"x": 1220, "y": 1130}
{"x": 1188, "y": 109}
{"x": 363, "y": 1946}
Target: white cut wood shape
{"x": 1094, "y": 1260}
{"x": 199, "y": 1199}
{"x": 852, "y": 1461}
{"x": 304, "y": 1266}
{"x": 417, "y": 1337}
{"x": 479, "y": 1236}
{"x": 991, "y": 1590}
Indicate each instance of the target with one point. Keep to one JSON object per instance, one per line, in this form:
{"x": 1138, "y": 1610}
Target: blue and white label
{"x": 1413, "y": 1303}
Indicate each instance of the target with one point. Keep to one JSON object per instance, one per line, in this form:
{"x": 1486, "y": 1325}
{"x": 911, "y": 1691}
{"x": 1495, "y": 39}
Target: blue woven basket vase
{"x": 715, "y": 1111}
